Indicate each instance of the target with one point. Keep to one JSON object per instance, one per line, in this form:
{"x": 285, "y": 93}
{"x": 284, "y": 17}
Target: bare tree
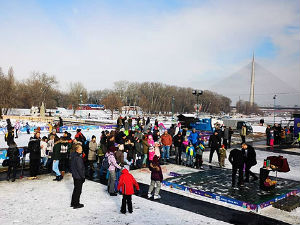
{"x": 112, "y": 102}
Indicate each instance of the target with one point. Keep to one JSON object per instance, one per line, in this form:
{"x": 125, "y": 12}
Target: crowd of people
{"x": 129, "y": 146}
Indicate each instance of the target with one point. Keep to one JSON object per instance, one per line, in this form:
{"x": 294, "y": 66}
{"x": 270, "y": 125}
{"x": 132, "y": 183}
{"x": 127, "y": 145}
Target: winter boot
{"x": 63, "y": 173}
{"x": 56, "y": 178}
{"x": 156, "y": 197}
{"x": 60, "y": 178}
{"x": 149, "y": 195}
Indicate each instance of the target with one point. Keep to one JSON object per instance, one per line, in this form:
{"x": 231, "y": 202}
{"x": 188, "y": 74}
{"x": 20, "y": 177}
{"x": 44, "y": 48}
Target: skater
{"x": 34, "y": 147}
{"x": 156, "y": 178}
{"x": 250, "y": 160}
{"x": 27, "y": 126}
{"x": 13, "y": 160}
{"x": 17, "y": 128}
{"x": 78, "y": 174}
{"x": 222, "y": 156}
{"x": 214, "y": 144}
{"x": 126, "y": 185}
{"x": 236, "y": 158}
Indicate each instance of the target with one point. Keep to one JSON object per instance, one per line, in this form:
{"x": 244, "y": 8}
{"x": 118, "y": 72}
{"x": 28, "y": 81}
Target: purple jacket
{"x": 156, "y": 175}
{"x": 112, "y": 161}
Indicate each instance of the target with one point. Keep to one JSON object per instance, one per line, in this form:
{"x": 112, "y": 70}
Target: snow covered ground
{"x": 44, "y": 201}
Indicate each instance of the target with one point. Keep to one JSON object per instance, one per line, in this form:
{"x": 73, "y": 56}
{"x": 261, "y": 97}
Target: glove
{"x": 137, "y": 192}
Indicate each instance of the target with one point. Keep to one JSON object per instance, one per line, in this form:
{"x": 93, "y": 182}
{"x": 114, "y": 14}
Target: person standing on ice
{"x": 56, "y": 157}
{"x": 17, "y": 128}
{"x": 13, "y": 160}
{"x": 34, "y": 147}
{"x": 194, "y": 137}
{"x": 126, "y": 185}
{"x": 236, "y": 159}
{"x": 156, "y": 178}
{"x": 78, "y": 174}
{"x": 214, "y": 144}
{"x": 243, "y": 134}
{"x": 166, "y": 140}
{"x": 250, "y": 160}
{"x": 112, "y": 170}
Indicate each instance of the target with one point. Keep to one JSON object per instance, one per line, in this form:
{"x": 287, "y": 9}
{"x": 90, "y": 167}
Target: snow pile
{"x": 44, "y": 201}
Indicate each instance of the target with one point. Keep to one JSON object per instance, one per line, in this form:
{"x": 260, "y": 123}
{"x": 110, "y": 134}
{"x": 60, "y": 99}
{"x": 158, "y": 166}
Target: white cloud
{"x": 188, "y": 46}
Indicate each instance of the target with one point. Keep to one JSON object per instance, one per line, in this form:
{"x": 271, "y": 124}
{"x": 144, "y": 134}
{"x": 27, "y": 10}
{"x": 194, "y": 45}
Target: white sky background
{"x": 195, "y": 45}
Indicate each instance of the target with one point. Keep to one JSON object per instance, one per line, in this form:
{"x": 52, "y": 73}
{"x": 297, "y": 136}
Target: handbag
{"x": 5, "y": 162}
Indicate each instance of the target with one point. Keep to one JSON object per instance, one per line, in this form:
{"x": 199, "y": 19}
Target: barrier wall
{"x": 228, "y": 200}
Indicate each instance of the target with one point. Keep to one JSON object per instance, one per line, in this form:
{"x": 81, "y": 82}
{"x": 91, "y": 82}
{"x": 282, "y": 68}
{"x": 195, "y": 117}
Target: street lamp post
{"x": 173, "y": 101}
{"x": 274, "y": 97}
{"x": 80, "y": 97}
{"x": 197, "y": 93}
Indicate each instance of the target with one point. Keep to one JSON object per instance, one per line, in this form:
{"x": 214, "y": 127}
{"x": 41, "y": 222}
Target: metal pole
{"x": 197, "y": 105}
{"x": 274, "y": 108}
{"x": 173, "y": 99}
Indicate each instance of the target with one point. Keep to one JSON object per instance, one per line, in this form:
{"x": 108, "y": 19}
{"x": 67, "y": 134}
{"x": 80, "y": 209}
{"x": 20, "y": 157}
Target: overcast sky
{"x": 186, "y": 43}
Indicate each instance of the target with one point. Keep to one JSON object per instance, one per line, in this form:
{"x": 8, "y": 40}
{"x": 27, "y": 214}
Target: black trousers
{"x": 198, "y": 161}
{"x": 248, "y": 172}
{"x": 13, "y": 169}
{"x": 77, "y": 191}
{"x": 211, "y": 153}
{"x": 225, "y": 143}
{"x": 243, "y": 139}
{"x": 126, "y": 199}
{"x": 34, "y": 167}
{"x": 64, "y": 162}
{"x": 234, "y": 171}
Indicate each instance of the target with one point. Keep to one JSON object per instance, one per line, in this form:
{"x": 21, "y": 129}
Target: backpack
{"x": 105, "y": 163}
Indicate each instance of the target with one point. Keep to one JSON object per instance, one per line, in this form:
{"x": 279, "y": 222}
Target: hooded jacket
{"x": 127, "y": 183}
{"x": 156, "y": 172}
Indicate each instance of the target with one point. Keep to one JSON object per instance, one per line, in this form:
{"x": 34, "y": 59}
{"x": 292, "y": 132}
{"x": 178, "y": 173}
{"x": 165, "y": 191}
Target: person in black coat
{"x": 34, "y": 147}
{"x": 13, "y": 161}
{"x": 236, "y": 158}
{"x": 250, "y": 160}
{"x": 78, "y": 174}
{"x": 214, "y": 144}
{"x": 268, "y": 134}
{"x": 178, "y": 139}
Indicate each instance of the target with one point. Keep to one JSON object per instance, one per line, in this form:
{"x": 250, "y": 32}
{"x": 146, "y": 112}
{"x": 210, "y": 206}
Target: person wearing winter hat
{"x": 223, "y": 155}
{"x": 126, "y": 185}
{"x": 156, "y": 178}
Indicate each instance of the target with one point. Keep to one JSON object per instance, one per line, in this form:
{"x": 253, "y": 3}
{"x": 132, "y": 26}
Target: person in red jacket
{"x": 126, "y": 185}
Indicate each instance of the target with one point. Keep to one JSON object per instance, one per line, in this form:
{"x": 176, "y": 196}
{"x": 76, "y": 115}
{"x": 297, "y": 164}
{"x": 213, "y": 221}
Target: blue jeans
{"x": 165, "y": 152}
{"x": 189, "y": 160}
{"x": 145, "y": 158}
{"x": 55, "y": 167}
{"x": 44, "y": 161}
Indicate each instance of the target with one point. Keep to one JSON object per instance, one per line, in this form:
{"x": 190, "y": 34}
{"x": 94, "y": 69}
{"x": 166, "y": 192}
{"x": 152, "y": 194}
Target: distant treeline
{"x": 152, "y": 97}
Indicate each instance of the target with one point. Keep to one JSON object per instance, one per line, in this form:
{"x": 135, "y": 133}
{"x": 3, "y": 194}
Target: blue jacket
{"x": 194, "y": 138}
